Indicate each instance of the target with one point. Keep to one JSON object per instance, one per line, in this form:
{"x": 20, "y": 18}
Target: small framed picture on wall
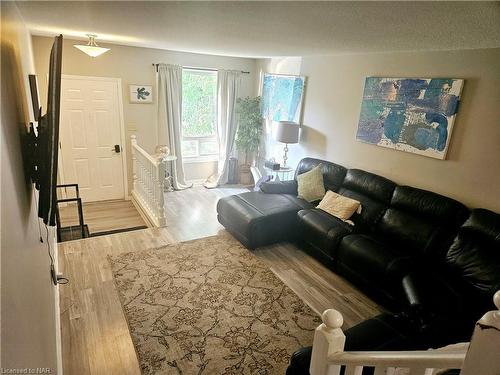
{"x": 141, "y": 93}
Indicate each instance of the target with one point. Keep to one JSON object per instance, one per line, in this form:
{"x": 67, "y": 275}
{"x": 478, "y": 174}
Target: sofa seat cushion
{"x": 280, "y": 187}
{"x": 258, "y": 219}
{"x": 371, "y": 262}
{"x": 321, "y": 230}
{"x": 271, "y": 203}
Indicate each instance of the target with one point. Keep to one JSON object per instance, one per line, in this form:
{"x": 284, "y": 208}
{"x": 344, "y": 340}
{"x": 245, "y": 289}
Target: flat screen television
{"x": 45, "y": 145}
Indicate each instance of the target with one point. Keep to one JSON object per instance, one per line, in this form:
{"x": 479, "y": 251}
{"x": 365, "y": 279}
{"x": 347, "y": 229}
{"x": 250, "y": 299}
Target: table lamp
{"x": 287, "y": 132}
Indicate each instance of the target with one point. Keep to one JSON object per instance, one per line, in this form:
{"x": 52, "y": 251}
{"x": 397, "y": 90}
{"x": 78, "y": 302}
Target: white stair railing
{"x": 149, "y": 182}
{"x": 482, "y": 357}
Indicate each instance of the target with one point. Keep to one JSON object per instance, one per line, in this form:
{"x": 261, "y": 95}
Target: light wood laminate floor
{"x": 95, "y": 335}
{"x": 191, "y": 213}
{"x": 103, "y": 216}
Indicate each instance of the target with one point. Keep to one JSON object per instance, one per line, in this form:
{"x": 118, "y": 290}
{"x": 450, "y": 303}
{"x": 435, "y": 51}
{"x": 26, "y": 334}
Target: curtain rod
{"x": 194, "y": 68}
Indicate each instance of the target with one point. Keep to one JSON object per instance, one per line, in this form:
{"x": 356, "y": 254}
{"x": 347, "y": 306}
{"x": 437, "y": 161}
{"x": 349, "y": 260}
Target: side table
{"x": 282, "y": 174}
{"x": 168, "y": 177}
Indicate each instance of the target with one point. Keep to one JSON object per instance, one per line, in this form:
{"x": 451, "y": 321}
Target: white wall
{"x": 133, "y": 66}
{"x": 29, "y": 302}
{"x": 331, "y": 113}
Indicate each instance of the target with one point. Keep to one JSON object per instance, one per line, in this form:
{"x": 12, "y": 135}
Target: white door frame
{"x": 123, "y": 138}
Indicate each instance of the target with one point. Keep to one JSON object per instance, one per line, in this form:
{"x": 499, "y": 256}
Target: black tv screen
{"x": 48, "y": 139}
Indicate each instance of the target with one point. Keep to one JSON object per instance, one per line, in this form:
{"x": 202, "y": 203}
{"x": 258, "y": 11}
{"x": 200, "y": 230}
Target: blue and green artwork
{"x": 410, "y": 114}
{"x": 282, "y": 97}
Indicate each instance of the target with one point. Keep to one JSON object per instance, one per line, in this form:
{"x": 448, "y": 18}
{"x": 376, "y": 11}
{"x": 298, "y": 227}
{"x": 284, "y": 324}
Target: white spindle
{"x": 354, "y": 370}
{"x": 483, "y": 356}
{"x": 417, "y": 370}
{"x": 149, "y": 179}
{"x": 133, "y": 141}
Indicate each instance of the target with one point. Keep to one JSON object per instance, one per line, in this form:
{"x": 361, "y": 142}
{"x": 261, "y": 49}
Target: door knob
{"x": 116, "y": 149}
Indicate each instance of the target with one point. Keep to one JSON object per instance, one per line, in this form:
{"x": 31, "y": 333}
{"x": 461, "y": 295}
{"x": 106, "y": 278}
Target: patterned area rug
{"x": 209, "y": 306}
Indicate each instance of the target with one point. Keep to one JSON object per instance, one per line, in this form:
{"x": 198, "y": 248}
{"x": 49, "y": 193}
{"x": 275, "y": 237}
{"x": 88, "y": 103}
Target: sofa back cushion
{"x": 419, "y": 221}
{"x": 373, "y": 191}
{"x": 474, "y": 258}
{"x": 333, "y": 174}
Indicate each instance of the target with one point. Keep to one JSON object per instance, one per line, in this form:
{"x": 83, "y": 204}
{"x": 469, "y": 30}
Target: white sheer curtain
{"x": 228, "y": 89}
{"x": 169, "y": 119}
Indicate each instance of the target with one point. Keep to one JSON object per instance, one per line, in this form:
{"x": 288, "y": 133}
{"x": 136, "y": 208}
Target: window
{"x": 199, "y": 115}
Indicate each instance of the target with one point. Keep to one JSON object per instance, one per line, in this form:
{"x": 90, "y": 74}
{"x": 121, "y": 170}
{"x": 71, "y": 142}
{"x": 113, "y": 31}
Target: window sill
{"x": 200, "y": 159}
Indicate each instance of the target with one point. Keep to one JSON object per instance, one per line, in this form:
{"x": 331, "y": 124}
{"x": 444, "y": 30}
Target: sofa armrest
{"x": 279, "y": 187}
{"x": 430, "y": 294}
{"x": 438, "y": 309}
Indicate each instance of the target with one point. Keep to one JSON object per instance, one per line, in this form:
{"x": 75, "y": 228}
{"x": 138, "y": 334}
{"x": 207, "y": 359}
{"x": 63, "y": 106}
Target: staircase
{"x": 149, "y": 184}
{"x": 481, "y": 358}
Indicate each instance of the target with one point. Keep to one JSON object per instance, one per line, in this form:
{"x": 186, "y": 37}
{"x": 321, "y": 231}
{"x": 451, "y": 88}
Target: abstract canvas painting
{"x": 410, "y": 114}
{"x": 282, "y": 97}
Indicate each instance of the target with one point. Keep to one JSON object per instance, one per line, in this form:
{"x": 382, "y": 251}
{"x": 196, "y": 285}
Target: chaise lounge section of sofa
{"x": 259, "y": 219}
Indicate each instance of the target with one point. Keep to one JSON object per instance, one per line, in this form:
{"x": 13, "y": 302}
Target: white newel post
{"x": 328, "y": 339}
{"x": 483, "y": 356}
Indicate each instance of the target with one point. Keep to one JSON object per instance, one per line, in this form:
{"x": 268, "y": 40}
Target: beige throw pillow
{"x": 338, "y": 205}
{"x": 310, "y": 185}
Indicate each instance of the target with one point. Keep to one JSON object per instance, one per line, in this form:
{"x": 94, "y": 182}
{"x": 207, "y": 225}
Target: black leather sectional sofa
{"x": 427, "y": 258}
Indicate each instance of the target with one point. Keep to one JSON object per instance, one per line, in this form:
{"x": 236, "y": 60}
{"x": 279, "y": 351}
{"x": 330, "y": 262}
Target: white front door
{"x": 90, "y": 130}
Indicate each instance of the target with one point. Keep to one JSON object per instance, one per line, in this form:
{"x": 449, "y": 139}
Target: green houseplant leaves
{"x": 249, "y": 125}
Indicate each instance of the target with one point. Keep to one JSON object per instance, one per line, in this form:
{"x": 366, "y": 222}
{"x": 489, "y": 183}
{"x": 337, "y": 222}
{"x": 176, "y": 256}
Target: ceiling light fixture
{"x": 91, "y": 49}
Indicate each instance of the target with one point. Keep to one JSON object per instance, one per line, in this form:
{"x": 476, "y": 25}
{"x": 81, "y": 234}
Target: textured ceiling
{"x": 263, "y": 29}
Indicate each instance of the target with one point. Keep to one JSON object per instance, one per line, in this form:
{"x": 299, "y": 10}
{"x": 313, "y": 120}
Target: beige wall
{"x": 197, "y": 172}
{"x": 331, "y": 112}
{"x": 29, "y": 316}
{"x": 133, "y": 66}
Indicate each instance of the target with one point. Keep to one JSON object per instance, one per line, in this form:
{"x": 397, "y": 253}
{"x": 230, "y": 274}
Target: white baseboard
{"x": 57, "y": 307}
{"x": 197, "y": 182}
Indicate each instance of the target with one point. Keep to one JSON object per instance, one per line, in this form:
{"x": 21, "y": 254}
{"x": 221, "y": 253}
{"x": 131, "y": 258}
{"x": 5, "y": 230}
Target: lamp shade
{"x": 92, "y": 51}
{"x": 287, "y": 132}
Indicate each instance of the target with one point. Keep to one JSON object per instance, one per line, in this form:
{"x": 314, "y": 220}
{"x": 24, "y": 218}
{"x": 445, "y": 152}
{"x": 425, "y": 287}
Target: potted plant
{"x": 249, "y": 133}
